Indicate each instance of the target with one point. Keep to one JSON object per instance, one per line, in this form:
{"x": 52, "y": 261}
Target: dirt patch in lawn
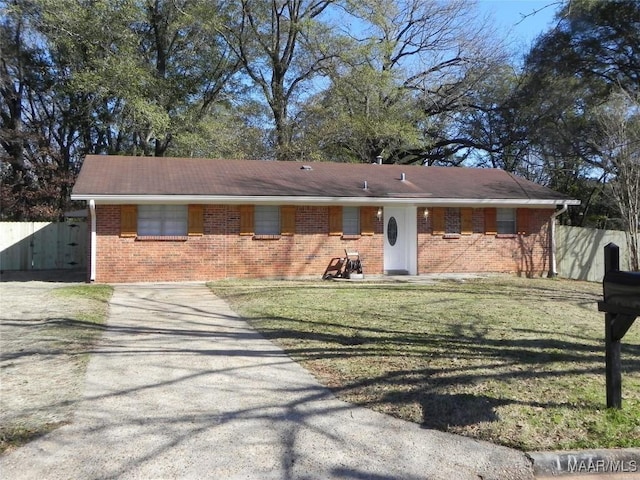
{"x": 46, "y": 333}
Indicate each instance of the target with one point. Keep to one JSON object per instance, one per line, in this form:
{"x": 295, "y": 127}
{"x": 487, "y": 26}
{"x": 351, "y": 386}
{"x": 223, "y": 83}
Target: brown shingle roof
{"x": 119, "y": 176}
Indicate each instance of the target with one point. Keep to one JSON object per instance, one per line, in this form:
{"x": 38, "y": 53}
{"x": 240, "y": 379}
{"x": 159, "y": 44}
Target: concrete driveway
{"x": 181, "y": 387}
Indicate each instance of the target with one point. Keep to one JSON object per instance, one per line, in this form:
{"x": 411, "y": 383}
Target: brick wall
{"x": 223, "y": 253}
{"x": 526, "y": 254}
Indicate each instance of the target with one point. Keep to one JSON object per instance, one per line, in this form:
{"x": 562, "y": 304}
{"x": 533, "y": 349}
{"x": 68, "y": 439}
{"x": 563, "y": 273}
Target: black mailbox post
{"x": 621, "y": 304}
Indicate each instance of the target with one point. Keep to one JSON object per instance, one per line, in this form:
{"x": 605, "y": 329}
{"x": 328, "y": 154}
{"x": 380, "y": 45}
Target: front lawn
{"x": 515, "y": 361}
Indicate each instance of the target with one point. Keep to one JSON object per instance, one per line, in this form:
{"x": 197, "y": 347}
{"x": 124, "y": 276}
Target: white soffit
{"x": 302, "y": 200}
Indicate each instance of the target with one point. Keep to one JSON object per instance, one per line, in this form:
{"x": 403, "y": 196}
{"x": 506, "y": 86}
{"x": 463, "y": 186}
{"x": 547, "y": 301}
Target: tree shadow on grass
{"x": 50, "y": 336}
{"x": 441, "y": 366}
{"x": 458, "y": 410}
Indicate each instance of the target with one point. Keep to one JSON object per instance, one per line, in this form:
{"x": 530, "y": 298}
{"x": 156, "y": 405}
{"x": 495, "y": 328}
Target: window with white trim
{"x": 506, "y": 220}
{"x": 163, "y": 220}
{"x": 350, "y": 221}
{"x": 267, "y": 220}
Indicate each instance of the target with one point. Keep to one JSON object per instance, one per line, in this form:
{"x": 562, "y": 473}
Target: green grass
{"x": 88, "y": 305}
{"x": 14, "y": 435}
{"x": 515, "y": 361}
{"x": 96, "y": 294}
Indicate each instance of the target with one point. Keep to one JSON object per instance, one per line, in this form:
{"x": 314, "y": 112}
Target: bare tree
{"x": 272, "y": 40}
{"x": 619, "y": 147}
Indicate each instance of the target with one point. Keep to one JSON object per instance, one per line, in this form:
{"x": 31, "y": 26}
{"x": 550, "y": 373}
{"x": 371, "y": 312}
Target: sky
{"x": 516, "y": 21}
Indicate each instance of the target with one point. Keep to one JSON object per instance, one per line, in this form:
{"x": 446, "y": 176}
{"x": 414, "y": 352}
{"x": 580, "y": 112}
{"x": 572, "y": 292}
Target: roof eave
{"x": 102, "y": 199}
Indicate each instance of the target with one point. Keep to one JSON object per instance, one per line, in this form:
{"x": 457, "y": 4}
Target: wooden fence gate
{"x": 43, "y": 245}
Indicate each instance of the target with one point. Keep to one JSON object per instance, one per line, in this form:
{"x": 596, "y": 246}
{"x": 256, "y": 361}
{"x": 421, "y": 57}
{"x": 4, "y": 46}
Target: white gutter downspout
{"x": 92, "y": 261}
{"x": 553, "y": 272}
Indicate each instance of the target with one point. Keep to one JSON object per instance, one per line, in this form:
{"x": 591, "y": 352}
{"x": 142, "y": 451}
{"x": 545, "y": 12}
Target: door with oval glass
{"x": 400, "y": 240}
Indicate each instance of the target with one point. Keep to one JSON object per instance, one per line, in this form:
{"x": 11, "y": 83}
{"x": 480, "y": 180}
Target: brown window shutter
{"x": 128, "y": 220}
{"x": 288, "y": 220}
{"x": 367, "y": 215}
{"x": 246, "y": 220}
{"x": 196, "y": 220}
{"x": 335, "y": 220}
{"x": 490, "y": 221}
{"x": 522, "y": 221}
{"x": 466, "y": 220}
{"x": 437, "y": 221}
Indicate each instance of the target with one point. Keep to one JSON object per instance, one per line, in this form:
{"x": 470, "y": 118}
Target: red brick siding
{"x": 223, "y": 253}
{"x": 522, "y": 254}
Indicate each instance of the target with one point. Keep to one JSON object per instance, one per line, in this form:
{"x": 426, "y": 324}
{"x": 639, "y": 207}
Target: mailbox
{"x": 622, "y": 289}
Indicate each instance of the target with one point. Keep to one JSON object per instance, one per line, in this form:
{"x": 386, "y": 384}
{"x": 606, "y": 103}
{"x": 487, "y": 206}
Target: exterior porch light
{"x": 426, "y": 213}
{"x": 379, "y": 213}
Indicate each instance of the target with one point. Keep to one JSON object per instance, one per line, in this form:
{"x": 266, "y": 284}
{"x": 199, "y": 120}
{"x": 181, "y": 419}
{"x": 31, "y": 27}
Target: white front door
{"x": 400, "y": 242}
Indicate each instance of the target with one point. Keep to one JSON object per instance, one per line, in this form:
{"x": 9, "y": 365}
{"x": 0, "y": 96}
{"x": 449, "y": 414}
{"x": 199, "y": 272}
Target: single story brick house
{"x": 179, "y": 219}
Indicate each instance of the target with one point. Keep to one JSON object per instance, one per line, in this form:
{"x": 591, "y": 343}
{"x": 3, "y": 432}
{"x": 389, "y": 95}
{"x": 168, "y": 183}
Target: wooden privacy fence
{"x": 43, "y": 245}
{"x": 579, "y": 252}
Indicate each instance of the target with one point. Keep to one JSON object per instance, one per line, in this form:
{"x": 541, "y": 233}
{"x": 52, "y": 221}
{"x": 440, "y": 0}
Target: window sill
{"x": 162, "y": 238}
{"x": 506, "y": 235}
{"x": 266, "y": 237}
{"x": 451, "y": 236}
{"x": 350, "y": 237}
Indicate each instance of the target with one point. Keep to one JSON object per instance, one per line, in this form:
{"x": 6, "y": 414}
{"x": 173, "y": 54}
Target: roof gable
{"x": 120, "y": 177}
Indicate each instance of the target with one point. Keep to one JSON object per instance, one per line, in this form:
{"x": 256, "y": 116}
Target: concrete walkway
{"x": 180, "y": 387}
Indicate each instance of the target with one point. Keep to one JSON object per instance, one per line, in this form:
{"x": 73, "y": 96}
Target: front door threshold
{"x": 396, "y": 272}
